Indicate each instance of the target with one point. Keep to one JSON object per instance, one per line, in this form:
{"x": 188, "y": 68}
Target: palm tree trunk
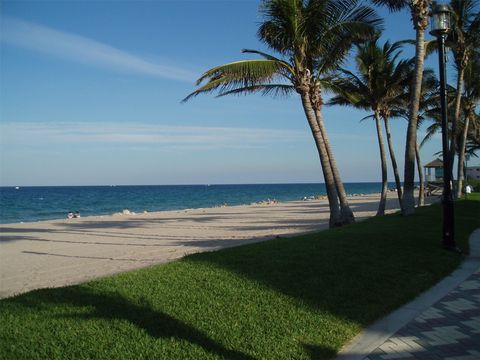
{"x": 335, "y": 218}
{"x": 409, "y": 171}
{"x": 461, "y": 158}
{"x": 346, "y": 213}
{"x": 383, "y": 161}
{"x": 393, "y": 159}
{"x": 455, "y": 121}
{"x": 421, "y": 192}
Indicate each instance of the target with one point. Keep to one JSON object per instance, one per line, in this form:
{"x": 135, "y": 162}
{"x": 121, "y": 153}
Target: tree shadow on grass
{"x": 319, "y": 352}
{"x": 359, "y": 272}
{"x": 110, "y": 306}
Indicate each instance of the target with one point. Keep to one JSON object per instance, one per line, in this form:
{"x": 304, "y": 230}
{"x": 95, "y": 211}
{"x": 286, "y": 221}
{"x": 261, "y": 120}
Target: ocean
{"x": 36, "y": 203}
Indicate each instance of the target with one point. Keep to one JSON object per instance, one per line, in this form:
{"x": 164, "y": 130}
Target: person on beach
{"x": 70, "y": 215}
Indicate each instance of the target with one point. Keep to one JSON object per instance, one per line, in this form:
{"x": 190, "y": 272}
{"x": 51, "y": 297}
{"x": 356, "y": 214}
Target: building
{"x": 473, "y": 173}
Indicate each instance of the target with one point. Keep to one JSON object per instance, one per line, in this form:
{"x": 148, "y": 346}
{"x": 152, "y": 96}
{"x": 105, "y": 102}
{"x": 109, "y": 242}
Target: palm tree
{"x": 429, "y": 99}
{"x": 419, "y": 10}
{"x": 464, "y": 40}
{"x": 312, "y": 38}
{"x": 379, "y": 85}
{"x": 470, "y": 99}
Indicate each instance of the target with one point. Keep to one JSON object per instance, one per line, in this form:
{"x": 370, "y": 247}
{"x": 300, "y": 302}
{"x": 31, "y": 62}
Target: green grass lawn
{"x": 292, "y": 298}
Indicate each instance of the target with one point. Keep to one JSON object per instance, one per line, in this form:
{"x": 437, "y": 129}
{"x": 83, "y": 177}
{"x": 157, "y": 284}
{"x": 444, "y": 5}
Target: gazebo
{"x": 434, "y": 176}
{"x": 434, "y": 171}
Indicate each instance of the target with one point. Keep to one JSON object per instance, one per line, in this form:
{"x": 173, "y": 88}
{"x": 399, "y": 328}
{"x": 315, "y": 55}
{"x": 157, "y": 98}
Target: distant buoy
{"x": 17, "y": 187}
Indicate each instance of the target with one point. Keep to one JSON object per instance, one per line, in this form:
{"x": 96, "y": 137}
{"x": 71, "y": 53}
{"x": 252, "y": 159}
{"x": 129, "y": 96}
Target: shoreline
{"x": 136, "y": 213}
{"x": 63, "y": 252}
{"x": 32, "y": 204}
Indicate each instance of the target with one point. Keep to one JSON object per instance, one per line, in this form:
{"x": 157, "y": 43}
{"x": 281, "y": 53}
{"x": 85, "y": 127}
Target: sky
{"x": 90, "y": 94}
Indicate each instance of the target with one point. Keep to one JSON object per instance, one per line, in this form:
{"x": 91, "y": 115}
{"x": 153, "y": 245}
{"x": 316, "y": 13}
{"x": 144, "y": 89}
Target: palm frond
{"x": 268, "y": 57}
{"x": 239, "y": 74}
{"x": 280, "y": 29}
{"x": 431, "y": 131}
{"x": 392, "y": 5}
{"x": 347, "y": 24}
{"x": 368, "y": 117}
{"x": 274, "y": 90}
{"x": 430, "y": 47}
{"x": 246, "y": 70}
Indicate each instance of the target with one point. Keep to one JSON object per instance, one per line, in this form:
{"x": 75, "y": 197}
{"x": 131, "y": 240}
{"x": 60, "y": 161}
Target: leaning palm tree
{"x": 430, "y": 84}
{"x": 378, "y": 85}
{"x": 312, "y": 37}
{"x": 429, "y": 99}
{"x": 419, "y": 10}
{"x": 470, "y": 100}
{"x": 463, "y": 40}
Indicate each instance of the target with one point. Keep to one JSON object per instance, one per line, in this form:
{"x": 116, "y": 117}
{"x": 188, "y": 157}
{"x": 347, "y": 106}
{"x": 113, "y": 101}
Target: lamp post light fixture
{"x": 440, "y": 28}
{"x": 440, "y": 24}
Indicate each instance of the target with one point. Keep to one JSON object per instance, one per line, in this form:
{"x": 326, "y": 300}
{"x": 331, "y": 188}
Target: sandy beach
{"x": 70, "y": 251}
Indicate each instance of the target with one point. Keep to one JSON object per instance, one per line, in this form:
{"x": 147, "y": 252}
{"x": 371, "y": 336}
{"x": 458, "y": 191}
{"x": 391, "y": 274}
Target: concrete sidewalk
{"x": 442, "y": 323}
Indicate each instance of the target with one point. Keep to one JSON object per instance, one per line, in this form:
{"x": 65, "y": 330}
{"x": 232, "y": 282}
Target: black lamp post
{"x": 440, "y": 28}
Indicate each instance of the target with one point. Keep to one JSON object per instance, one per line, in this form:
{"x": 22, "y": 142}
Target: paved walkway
{"x": 443, "y": 323}
{"x": 448, "y": 330}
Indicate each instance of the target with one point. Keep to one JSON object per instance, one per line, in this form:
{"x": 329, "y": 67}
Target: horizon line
{"x": 197, "y": 184}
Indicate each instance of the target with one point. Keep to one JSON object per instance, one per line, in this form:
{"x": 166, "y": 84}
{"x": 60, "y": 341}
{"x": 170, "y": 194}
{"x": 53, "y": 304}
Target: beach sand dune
{"x": 64, "y": 252}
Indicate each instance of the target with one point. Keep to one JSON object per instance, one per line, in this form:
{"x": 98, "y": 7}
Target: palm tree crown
{"x": 464, "y": 38}
{"x": 381, "y": 80}
{"x": 312, "y": 37}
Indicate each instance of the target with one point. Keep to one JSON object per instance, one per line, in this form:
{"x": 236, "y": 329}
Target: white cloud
{"x": 140, "y": 134}
{"x": 77, "y": 48}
